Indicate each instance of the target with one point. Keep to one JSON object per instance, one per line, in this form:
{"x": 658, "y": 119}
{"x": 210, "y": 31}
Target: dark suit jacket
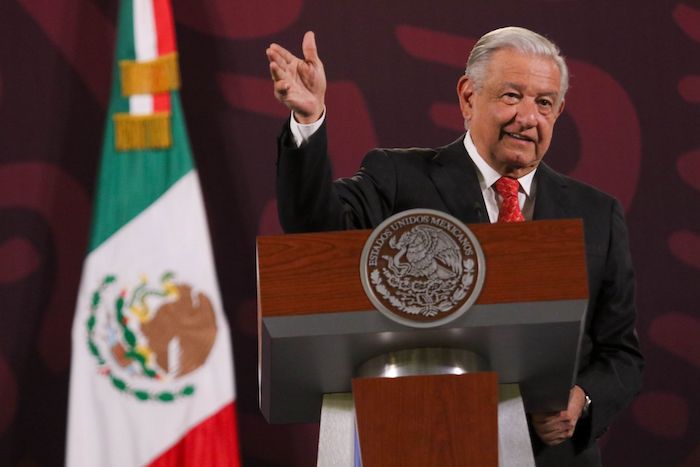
{"x": 394, "y": 180}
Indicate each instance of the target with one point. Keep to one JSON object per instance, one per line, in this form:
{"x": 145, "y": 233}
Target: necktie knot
{"x": 510, "y": 207}
{"x": 506, "y": 186}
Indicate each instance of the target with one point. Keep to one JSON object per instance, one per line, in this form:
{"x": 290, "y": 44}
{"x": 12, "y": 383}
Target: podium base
{"x": 338, "y": 447}
{"x": 337, "y": 437}
{"x": 514, "y": 446}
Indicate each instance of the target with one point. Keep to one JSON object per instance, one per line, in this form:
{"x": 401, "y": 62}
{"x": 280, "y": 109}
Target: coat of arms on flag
{"x": 150, "y": 334}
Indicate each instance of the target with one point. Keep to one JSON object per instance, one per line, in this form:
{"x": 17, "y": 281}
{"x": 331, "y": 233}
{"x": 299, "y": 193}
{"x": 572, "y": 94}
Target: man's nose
{"x": 527, "y": 113}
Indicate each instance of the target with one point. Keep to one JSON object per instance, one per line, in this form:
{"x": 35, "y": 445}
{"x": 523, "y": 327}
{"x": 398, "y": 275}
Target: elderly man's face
{"x": 512, "y": 115}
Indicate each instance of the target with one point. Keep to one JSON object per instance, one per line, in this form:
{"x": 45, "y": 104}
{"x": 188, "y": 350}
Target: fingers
{"x": 276, "y": 72}
{"x": 308, "y": 47}
{"x": 557, "y": 427}
{"x": 279, "y": 69}
{"x": 274, "y": 56}
{"x": 544, "y": 416}
{"x": 553, "y": 437}
{"x": 280, "y": 54}
{"x": 553, "y": 428}
{"x": 553, "y": 441}
{"x": 279, "y": 76}
{"x": 281, "y": 88}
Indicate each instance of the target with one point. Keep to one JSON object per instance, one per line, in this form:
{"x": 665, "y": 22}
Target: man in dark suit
{"x": 510, "y": 96}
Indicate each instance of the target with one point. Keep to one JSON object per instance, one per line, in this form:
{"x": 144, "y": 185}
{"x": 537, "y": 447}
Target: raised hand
{"x": 299, "y": 84}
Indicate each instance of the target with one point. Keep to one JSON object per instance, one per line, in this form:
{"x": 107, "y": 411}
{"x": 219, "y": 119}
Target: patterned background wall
{"x": 631, "y": 127}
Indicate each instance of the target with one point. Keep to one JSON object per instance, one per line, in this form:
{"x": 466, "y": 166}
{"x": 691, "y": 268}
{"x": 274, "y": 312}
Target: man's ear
{"x": 465, "y": 94}
{"x": 561, "y": 107}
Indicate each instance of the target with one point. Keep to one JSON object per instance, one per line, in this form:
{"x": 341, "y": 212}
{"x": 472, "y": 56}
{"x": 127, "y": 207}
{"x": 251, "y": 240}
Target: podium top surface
{"x": 320, "y": 272}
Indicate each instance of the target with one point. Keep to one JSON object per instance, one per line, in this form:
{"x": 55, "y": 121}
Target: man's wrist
{"x": 311, "y": 118}
{"x": 303, "y": 131}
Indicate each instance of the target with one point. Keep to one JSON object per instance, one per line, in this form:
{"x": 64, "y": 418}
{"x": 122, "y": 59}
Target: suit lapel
{"x": 454, "y": 176}
{"x": 552, "y": 201}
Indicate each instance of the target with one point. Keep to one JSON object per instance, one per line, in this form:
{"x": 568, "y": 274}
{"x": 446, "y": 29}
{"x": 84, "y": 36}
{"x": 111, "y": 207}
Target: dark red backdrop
{"x": 631, "y": 127}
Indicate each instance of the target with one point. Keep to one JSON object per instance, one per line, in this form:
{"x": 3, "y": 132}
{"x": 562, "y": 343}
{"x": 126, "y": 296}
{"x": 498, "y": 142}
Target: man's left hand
{"x": 556, "y": 427}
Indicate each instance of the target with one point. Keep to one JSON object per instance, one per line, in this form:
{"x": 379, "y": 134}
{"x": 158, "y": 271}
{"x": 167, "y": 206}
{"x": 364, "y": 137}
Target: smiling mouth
{"x": 519, "y": 137}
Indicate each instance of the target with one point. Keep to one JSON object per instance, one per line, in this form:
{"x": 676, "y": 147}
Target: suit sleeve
{"x": 309, "y": 200}
{"x": 613, "y": 375}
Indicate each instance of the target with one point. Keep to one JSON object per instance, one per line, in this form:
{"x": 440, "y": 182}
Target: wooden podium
{"x": 317, "y": 327}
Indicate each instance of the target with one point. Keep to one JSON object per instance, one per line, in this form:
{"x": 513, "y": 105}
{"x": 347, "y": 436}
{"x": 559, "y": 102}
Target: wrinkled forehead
{"x": 515, "y": 68}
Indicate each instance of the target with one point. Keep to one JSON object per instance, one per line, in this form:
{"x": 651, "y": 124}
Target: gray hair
{"x": 521, "y": 39}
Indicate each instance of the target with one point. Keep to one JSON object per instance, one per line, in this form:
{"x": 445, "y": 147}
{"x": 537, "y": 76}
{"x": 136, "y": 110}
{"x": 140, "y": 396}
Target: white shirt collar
{"x": 487, "y": 174}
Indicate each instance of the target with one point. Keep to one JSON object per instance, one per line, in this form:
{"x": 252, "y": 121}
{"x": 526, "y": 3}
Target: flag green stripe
{"x": 125, "y": 49}
{"x": 129, "y": 182}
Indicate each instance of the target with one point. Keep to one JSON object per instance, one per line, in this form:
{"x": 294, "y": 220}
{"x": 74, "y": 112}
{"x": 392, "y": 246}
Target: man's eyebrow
{"x": 510, "y": 84}
{"x": 554, "y": 94}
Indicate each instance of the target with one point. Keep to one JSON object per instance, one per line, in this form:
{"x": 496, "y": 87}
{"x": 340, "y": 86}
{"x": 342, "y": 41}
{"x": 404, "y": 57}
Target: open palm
{"x": 299, "y": 84}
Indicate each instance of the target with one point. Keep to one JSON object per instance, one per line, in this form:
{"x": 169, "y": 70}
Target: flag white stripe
{"x": 146, "y": 45}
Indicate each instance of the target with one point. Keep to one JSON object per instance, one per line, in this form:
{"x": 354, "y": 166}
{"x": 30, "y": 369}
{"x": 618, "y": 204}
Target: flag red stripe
{"x": 214, "y": 442}
{"x": 161, "y": 102}
{"x": 163, "y": 13}
{"x": 165, "y": 32}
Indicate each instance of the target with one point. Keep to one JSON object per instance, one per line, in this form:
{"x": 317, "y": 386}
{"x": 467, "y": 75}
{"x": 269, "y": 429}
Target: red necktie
{"x": 510, "y": 208}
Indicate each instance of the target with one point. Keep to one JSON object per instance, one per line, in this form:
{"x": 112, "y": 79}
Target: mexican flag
{"x": 151, "y": 375}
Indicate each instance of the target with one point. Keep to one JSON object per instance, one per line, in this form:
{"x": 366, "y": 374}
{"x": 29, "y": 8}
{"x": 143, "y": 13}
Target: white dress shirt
{"x": 303, "y": 131}
{"x": 487, "y": 178}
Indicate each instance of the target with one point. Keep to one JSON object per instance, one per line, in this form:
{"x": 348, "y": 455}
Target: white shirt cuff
{"x": 302, "y": 132}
